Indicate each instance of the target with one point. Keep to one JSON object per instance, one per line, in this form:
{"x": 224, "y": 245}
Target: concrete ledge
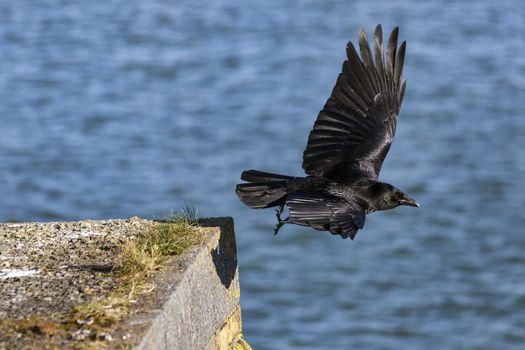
{"x": 46, "y": 269}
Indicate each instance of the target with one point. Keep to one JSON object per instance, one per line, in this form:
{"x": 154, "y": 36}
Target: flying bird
{"x": 346, "y": 148}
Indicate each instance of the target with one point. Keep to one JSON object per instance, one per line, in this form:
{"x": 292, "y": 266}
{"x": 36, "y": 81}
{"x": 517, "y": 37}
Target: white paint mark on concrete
{"x": 77, "y": 235}
{"x": 90, "y": 233}
{"x": 9, "y": 273}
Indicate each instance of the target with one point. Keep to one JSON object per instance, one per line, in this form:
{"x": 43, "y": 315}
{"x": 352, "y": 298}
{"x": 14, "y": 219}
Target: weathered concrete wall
{"x": 47, "y": 269}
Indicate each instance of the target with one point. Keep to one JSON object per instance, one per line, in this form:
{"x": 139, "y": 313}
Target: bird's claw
{"x": 278, "y": 226}
{"x": 280, "y": 222}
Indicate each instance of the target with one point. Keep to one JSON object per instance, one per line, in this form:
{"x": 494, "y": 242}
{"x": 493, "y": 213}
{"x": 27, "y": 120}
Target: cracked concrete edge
{"x": 203, "y": 312}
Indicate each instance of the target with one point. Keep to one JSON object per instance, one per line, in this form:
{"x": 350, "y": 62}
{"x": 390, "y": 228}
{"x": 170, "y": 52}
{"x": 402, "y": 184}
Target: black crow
{"x": 345, "y": 150}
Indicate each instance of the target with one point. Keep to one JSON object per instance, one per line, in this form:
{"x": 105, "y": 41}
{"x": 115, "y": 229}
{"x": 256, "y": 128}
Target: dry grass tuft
{"x": 145, "y": 253}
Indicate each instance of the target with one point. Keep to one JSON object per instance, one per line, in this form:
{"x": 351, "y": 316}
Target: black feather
{"x": 326, "y": 212}
{"x": 261, "y": 176}
{"x": 357, "y": 123}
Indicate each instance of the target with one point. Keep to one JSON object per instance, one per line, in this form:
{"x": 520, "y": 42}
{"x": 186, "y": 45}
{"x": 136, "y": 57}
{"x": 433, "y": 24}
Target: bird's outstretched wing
{"x": 353, "y": 132}
{"x": 326, "y": 213}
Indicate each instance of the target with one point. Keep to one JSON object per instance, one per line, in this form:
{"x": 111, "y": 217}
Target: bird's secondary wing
{"x": 354, "y": 131}
{"x": 326, "y": 213}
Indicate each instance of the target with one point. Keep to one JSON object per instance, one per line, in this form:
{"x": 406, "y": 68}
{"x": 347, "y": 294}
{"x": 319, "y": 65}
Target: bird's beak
{"x": 409, "y": 201}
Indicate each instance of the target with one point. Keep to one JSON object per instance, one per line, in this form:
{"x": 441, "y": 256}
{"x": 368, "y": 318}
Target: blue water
{"x": 121, "y": 108}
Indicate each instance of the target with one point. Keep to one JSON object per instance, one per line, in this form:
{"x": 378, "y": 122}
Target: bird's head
{"x": 396, "y": 197}
{"x": 390, "y": 197}
{"x": 401, "y": 198}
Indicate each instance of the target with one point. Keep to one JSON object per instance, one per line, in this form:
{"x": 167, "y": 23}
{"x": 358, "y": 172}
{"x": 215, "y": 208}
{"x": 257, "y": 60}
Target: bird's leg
{"x": 280, "y": 222}
{"x": 278, "y": 212}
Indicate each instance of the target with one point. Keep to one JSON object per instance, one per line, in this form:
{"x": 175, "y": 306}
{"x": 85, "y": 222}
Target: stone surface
{"x": 54, "y": 266}
{"x": 46, "y": 269}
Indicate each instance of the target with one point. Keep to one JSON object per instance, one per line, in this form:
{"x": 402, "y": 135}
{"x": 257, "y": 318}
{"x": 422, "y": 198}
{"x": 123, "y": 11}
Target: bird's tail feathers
{"x": 262, "y": 194}
{"x": 261, "y": 176}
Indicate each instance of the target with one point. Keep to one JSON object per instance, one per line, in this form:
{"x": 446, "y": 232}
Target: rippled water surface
{"x": 122, "y": 108}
